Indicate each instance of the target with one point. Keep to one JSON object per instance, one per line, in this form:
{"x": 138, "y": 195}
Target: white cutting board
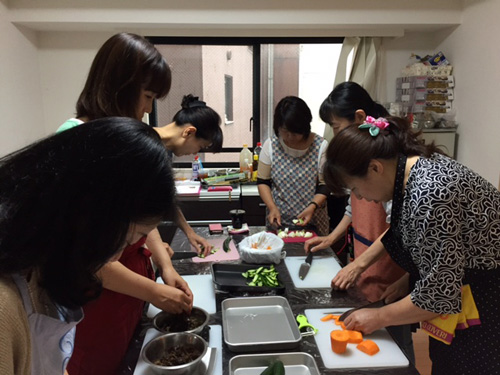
{"x": 203, "y": 293}
{"x": 215, "y": 341}
{"x": 390, "y": 355}
{"x": 323, "y": 270}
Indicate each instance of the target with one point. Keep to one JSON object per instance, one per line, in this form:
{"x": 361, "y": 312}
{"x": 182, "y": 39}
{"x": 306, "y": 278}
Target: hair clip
{"x": 374, "y": 125}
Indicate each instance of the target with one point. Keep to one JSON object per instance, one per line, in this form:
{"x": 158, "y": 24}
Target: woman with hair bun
{"x": 445, "y": 233}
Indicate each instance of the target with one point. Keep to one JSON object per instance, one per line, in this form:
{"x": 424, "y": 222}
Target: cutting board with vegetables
{"x": 323, "y": 270}
{"x": 220, "y": 254}
{"x": 390, "y": 355}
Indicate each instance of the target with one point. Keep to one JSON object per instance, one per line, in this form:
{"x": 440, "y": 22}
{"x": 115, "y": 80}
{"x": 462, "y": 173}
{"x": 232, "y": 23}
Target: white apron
{"x": 52, "y": 339}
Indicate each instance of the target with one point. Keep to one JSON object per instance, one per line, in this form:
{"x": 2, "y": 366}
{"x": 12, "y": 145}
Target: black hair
{"x": 125, "y": 64}
{"x": 345, "y": 99}
{"x": 67, "y": 202}
{"x": 350, "y": 151}
{"x": 292, "y": 114}
{"x": 203, "y": 118}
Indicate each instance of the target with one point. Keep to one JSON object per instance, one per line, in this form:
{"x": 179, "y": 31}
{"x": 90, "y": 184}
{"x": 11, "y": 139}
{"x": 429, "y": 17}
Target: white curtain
{"x": 358, "y": 63}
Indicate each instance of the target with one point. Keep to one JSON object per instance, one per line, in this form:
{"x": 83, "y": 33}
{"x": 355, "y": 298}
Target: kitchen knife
{"x": 183, "y": 255}
{"x": 372, "y": 305}
{"x": 304, "y": 267}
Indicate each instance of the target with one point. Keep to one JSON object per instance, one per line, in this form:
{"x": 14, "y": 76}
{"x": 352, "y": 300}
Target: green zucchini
{"x": 226, "y": 243}
{"x": 269, "y": 370}
{"x": 278, "y": 368}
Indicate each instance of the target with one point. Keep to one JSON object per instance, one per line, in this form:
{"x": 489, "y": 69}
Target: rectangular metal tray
{"x": 253, "y": 364}
{"x": 227, "y": 277}
{"x": 255, "y": 324}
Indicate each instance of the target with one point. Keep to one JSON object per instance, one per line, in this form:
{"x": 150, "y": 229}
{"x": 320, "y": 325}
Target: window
{"x": 243, "y": 79}
{"x": 228, "y": 90}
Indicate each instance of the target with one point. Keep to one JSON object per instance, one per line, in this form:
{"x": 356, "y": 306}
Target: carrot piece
{"x": 339, "y": 340}
{"x": 328, "y": 317}
{"x": 342, "y": 325}
{"x": 368, "y": 347}
{"x": 355, "y": 337}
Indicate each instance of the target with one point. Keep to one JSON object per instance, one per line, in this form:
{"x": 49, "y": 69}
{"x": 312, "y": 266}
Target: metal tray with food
{"x": 230, "y": 277}
{"x": 255, "y": 364}
{"x": 253, "y": 324}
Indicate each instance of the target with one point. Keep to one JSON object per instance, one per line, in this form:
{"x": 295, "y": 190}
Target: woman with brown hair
{"x": 127, "y": 74}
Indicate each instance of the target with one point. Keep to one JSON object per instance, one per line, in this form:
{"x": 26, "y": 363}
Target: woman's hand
{"x": 274, "y": 217}
{"x": 172, "y": 278}
{"x": 170, "y": 299}
{"x": 396, "y": 290}
{"x": 317, "y": 243}
{"x": 199, "y": 243}
{"x": 347, "y": 276}
{"x": 306, "y": 215}
{"x": 364, "y": 320}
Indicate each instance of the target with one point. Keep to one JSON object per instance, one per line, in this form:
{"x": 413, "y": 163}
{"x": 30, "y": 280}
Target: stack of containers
{"x": 426, "y": 87}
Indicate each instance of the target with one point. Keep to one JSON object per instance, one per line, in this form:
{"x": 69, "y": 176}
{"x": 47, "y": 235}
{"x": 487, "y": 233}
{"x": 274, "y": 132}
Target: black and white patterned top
{"x": 448, "y": 221}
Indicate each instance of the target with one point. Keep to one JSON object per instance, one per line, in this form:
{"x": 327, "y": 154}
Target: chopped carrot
{"x": 355, "y": 337}
{"x": 330, "y": 317}
{"x": 339, "y": 340}
{"x": 368, "y": 347}
{"x": 269, "y": 248}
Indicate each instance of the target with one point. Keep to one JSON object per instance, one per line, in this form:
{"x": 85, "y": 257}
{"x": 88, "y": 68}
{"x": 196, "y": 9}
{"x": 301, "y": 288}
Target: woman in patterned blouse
{"x": 445, "y": 232}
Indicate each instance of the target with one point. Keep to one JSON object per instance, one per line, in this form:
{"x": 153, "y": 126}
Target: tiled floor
{"x": 421, "y": 347}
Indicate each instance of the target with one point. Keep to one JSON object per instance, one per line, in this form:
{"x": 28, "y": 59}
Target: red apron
{"x": 102, "y": 338}
{"x": 368, "y": 221}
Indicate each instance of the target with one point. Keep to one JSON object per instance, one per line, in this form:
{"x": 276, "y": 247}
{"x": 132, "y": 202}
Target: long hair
{"x": 206, "y": 121}
{"x": 66, "y": 202}
{"x": 293, "y": 114}
{"x": 345, "y": 99}
{"x": 125, "y": 64}
{"x": 351, "y": 150}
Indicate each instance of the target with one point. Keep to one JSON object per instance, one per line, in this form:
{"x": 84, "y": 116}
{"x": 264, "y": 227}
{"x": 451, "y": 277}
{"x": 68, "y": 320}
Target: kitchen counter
{"x": 299, "y": 300}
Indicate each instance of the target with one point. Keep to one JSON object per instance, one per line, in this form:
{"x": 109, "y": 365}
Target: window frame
{"x": 256, "y": 43}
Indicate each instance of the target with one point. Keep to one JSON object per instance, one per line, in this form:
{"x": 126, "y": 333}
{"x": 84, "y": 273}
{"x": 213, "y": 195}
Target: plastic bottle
{"x": 245, "y": 159}
{"x": 196, "y": 168}
{"x": 255, "y": 166}
{"x": 257, "y": 149}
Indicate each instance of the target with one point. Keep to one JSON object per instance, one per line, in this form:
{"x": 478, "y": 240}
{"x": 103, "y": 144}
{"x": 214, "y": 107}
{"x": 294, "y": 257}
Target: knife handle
{"x": 309, "y": 257}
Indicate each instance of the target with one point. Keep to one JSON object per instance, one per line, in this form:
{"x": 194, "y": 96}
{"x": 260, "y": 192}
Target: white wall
{"x": 21, "y": 109}
{"x": 474, "y": 49}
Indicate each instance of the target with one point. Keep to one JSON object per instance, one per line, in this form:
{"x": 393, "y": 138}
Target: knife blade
{"x": 372, "y": 305}
{"x": 304, "y": 267}
{"x": 183, "y": 255}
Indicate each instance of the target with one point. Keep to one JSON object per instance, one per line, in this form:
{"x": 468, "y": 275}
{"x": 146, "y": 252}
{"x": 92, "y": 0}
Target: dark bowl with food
{"x": 170, "y": 323}
{"x": 178, "y": 353}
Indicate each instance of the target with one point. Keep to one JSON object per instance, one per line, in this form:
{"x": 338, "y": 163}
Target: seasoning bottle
{"x": 196, "y": 168}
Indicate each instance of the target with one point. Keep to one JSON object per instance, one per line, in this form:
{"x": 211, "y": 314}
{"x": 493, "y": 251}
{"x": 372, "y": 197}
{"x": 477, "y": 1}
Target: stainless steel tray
{"x": 252, "y": 324}
{"x": 254, "y": 364}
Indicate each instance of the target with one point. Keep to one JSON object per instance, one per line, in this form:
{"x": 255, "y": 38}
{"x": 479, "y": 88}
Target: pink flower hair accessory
{"x": 374, "y": 125}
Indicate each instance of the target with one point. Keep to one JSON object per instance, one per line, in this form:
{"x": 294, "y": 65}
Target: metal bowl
{"x": 163, "y": 321}
{"x": 156, "y": 348}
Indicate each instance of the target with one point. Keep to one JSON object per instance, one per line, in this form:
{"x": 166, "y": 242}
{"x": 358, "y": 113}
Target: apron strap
{"x": 22, "y": 285}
